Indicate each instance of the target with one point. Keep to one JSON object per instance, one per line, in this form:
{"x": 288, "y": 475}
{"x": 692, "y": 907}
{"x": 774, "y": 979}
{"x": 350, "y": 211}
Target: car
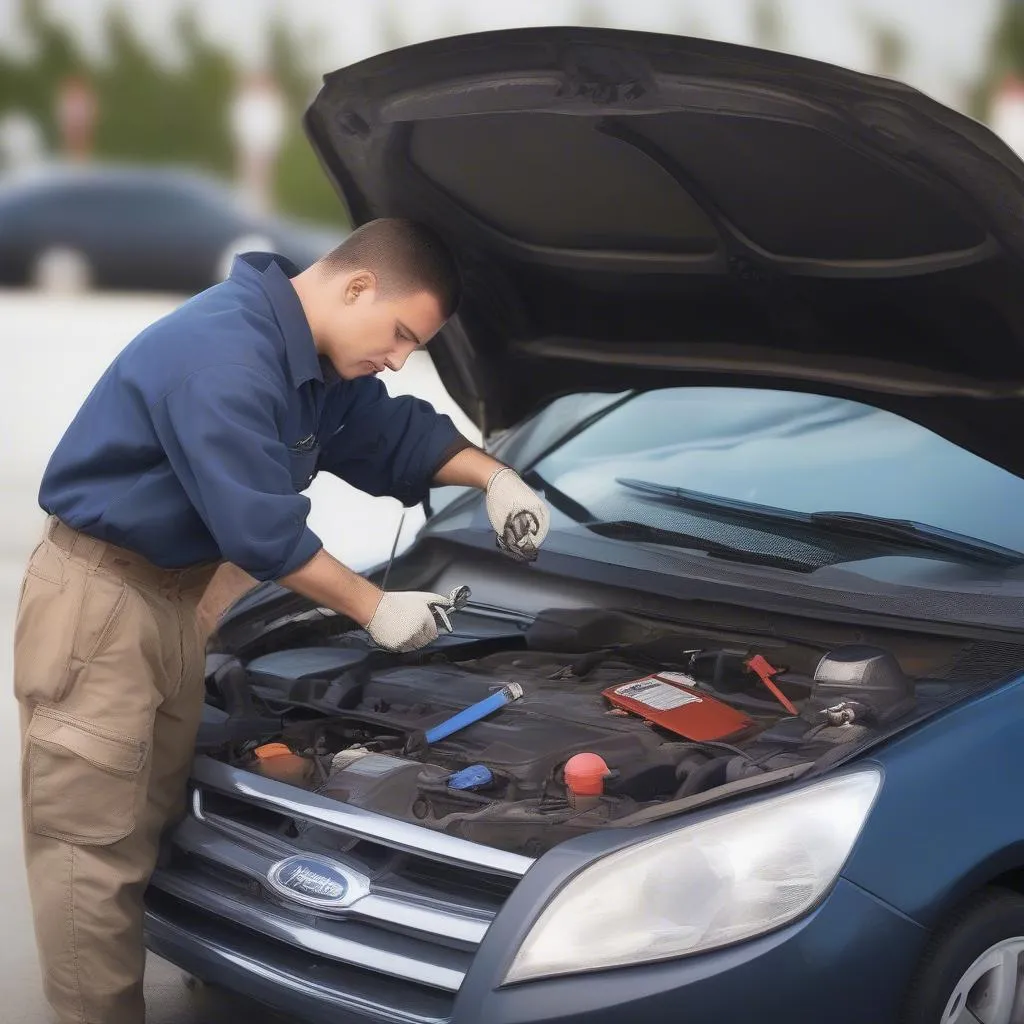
{"x": 744, "y": 742}
{"x": 127, "y": 228}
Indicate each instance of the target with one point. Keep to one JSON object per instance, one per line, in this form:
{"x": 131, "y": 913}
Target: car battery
{"x": 387, "y": 784}
{"x": 671, "y": 700}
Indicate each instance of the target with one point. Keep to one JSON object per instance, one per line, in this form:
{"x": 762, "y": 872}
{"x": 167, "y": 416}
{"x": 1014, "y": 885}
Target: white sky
{"x": 946, "y": 39}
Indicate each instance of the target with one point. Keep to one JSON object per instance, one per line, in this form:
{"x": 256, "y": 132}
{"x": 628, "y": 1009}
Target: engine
{"x": 559, "y": 745}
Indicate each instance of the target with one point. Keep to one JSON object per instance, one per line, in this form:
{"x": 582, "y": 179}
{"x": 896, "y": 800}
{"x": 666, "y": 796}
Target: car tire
{"x": 61, "y": 269}
{"x": 972, "y": 968}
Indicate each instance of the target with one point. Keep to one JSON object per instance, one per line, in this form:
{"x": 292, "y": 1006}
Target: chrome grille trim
{"x": 354, "y": 821}
{"x": 251, "y": 854}
{"x": 267, "y": 920}
{"x": 423, "y": 900}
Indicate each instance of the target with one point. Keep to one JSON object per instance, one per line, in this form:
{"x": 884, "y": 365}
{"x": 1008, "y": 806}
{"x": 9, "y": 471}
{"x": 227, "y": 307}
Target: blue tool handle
{"x": 474, "y": 713}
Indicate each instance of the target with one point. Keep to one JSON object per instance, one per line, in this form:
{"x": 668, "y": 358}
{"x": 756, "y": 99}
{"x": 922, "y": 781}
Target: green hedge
{"x": 153, "y": 114}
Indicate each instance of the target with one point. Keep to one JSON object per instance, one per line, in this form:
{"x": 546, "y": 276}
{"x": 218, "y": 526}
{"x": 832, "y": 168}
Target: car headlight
{"x": 731, "y": 877}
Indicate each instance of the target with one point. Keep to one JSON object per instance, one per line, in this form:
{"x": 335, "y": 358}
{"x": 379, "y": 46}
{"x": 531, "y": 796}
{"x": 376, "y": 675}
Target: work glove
{"x": 520, "y": 519}
{"x": 406, "y": 620}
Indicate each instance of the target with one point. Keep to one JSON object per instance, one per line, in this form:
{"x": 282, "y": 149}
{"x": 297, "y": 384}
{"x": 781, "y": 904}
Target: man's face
{"x": 369, "y": 333}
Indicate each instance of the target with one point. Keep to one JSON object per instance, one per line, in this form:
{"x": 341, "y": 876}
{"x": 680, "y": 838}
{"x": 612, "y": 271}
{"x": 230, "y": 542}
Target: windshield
{"x": 797, "y": 452}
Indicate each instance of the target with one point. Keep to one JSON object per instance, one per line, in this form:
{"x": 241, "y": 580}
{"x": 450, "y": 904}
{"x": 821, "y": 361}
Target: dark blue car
{"x": 134, "y": 228}
{"x": 754, "y": 326}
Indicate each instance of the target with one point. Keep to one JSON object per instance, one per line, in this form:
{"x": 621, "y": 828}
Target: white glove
{"x": 405, "y": 619}
{"x": 520, "y": 519}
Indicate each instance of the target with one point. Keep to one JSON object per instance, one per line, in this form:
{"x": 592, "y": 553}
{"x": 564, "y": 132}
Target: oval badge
{"x": 315, "y": 881}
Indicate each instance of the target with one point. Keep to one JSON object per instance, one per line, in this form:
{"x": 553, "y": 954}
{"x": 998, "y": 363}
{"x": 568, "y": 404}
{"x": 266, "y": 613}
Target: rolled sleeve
{"x": 219, "y": 429}
{"x": 390, "y": 446}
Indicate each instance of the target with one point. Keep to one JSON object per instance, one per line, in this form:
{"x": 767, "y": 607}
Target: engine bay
{"x": 523, "y": 742}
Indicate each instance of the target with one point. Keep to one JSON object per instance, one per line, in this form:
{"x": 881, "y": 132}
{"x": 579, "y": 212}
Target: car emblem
{"x": 317, "y": 882}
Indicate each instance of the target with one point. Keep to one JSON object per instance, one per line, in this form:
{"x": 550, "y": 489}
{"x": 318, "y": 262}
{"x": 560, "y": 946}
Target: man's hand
{"x": 398, "y": 621}
{"x": 519, "y": 517}
{"x": 405, "y": 620}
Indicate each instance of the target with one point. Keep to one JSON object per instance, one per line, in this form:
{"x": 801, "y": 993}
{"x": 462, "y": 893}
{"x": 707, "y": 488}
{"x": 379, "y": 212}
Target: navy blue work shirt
{"x": 196, "y": 443}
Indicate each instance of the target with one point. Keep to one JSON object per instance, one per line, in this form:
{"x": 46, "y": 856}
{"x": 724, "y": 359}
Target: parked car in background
{"x": 135, "y": 228}
{"x": 754, "y": 326}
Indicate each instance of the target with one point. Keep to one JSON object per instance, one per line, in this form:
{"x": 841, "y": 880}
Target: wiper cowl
{"x": 885, "y": 535}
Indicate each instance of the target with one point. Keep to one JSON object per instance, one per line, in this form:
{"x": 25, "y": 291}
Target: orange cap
{"x": 585, "y": 774}
{"x": 272, "y": 750}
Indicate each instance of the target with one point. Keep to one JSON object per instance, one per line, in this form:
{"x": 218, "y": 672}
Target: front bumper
{"x": 849, "y": 962}
{"x": 277, "y": 977}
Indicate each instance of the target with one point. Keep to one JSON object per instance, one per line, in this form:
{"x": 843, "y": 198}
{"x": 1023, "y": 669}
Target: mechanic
{"x": 190, "y": 454}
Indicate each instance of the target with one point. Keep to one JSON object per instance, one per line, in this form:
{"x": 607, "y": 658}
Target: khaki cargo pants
{"x": 108, "y": 672}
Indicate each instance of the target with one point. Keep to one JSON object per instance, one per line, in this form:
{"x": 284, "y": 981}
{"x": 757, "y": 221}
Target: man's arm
{"x": 218, "y": 429}
{"x": 326, "y": 581}
{"x": 471, "y": 467}
{"x": 384, "y": 445}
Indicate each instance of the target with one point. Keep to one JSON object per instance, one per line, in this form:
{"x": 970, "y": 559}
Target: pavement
{"x": 54, "y": 349}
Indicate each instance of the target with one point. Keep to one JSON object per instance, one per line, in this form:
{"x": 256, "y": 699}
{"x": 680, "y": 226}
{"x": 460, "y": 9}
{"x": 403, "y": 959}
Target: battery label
{"x": 653, "y": 693}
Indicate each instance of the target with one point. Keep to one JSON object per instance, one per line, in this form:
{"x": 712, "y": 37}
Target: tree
{"x": 301, "y": 186}
{"x": 767, "y": 18}
{"x": 152, "y": 114}
{"x": 889, "y": 48}
{"x": 30, "y": 85}
{"x": 1006, "y": 57}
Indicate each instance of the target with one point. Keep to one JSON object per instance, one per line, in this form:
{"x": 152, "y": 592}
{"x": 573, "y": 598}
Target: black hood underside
{"x": 636, "y": 211}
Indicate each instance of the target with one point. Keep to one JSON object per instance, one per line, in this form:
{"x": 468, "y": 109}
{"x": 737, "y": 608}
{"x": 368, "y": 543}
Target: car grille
{"x": 411, "y": 938}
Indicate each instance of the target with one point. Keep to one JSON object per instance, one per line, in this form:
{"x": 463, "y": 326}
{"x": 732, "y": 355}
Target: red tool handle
{"x": 761, "y": 667}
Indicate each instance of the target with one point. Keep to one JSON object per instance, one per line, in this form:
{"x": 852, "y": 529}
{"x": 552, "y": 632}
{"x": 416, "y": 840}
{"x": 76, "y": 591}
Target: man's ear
{"x": 362, "y": 283}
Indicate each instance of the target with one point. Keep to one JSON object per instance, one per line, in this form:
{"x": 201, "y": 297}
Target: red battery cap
{"x": 585, "y": 774}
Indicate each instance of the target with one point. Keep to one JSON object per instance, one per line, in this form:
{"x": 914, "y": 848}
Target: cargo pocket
{"x": 83, "y": 782}
{"x": 62, "y": 625}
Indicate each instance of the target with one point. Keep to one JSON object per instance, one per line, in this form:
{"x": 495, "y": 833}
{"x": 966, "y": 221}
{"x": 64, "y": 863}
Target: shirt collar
{"x": 271, "y": 273}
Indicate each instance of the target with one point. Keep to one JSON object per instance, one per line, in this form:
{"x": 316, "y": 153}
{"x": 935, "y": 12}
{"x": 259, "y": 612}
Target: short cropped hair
{"x": 405, "y": 256}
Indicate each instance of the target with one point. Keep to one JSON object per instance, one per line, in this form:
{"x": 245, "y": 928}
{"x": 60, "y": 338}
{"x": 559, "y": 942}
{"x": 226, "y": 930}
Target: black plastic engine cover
{"x": 525, "y": 741}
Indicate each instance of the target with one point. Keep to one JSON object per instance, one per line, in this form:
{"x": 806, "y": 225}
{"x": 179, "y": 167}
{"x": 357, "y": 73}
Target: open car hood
{"x": 636, "y": 210}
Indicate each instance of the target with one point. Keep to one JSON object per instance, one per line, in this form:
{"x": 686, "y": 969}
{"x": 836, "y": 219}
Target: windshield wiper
{"x": 907, "y": 533}
{"x": 642, "y": 533}
{"x": 897, "y": 535}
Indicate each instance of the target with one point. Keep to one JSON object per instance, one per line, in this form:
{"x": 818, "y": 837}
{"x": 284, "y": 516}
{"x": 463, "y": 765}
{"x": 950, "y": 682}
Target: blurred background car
{"x": 130, "y": 229}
